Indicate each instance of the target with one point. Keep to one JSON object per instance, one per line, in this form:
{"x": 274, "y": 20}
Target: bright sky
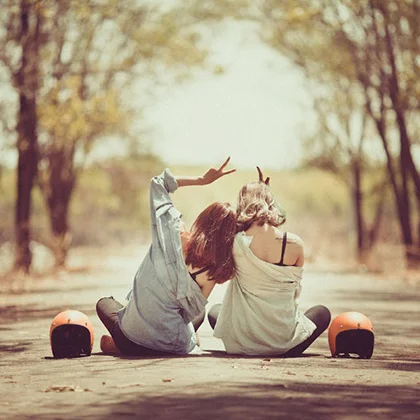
{"x": 255, "y": 112}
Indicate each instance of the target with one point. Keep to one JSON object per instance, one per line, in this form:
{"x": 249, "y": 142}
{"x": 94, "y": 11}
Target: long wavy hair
{"x": 256, "y": 204}
{"x": 210, "y": 243}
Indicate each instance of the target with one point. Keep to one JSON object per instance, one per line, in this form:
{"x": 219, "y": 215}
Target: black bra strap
{"x": 195, "y": 274}
{"x": 283, "y": 247}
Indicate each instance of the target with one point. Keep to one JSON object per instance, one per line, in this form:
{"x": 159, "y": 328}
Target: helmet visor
{"x": 358, "y": 342}
{"x": 70, "y": 341}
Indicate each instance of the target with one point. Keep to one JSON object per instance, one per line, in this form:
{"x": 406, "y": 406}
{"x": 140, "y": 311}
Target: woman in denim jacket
{"x": 178, "y": 273}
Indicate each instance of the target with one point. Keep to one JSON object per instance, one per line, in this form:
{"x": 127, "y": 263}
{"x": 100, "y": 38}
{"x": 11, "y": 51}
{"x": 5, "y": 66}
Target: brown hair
{"x": 211, "y": 242}
{"x": 256, "y": 203}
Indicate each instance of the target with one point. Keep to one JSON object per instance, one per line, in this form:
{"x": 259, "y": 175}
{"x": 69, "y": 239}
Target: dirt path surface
{"x": 211, "y": 385}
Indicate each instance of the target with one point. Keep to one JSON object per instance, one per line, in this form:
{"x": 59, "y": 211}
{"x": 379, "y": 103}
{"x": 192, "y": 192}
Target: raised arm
{"x": 166, "y": 229}
{"x": 209, "y": 177}
{"x": 162, "y": 185}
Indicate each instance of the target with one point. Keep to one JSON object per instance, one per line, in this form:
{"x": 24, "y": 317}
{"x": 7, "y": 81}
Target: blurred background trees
{"x": 72, "y": 63}
{"x": 362, "y": 61}
{"x": 368, "y": 49}
{"x": 25, "y": 43}
{"x": 70, "y": 69}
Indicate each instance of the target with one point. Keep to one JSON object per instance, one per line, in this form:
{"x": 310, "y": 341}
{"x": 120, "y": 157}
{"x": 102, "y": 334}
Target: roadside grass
{"x": 110, "y": 207}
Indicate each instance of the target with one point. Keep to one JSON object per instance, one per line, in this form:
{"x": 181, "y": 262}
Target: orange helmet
{"x": 351, "y": 332}
{"x": 71, "y": 334}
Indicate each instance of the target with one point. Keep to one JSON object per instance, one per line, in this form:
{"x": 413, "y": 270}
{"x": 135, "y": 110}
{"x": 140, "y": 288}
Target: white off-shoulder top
{"x": 259, "y": 314}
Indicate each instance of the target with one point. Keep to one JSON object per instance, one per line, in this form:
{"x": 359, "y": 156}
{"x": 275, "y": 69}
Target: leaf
{"x": 131, "y": 385}
{"x": 66, "y": 388}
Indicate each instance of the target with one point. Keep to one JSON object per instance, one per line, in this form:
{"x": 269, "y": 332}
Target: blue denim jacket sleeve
{"x": 168, "y": 258}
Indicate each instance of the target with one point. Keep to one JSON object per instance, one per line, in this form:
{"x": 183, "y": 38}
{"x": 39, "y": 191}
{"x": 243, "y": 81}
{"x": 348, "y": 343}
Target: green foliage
{"x": 73, "y": 119}
{"x": 87, "y": 56}
{"x": 111, "y": 203}
{"x": 112, "y": 200}
{"x": 362, "y": 60}
{"x": 306, "y": 192}
{"x": 211, "y": 10}
{"x": 94, "y": 52}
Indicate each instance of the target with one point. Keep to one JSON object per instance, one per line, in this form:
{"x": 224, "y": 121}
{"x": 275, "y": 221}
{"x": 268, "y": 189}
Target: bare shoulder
{"x": 295, "y": 246}
{"x": 294, "y": 239}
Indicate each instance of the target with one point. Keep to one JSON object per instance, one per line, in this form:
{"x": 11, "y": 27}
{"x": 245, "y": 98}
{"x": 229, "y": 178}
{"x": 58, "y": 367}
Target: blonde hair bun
{"x": 256, "y": 204}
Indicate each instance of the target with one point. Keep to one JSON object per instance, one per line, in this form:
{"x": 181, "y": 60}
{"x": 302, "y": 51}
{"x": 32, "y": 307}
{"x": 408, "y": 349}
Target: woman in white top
{"x": 259, "y": 314}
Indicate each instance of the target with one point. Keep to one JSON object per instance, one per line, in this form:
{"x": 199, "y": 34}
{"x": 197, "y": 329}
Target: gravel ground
{"x": 211, "y": 384}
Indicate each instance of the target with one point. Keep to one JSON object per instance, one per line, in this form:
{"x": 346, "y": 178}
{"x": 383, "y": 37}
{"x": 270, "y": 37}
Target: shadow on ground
{"x": 239, "y": 401}
{"x": 15, "y": 348}
{"x": 16, "y": 313}
{"x": 393, "y": 313}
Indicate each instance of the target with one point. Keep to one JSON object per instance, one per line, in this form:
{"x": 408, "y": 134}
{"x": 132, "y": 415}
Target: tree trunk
{"x": 407, "y": 165}
{"x": 27, "y": 142}
{"x": 357, "y": 198}
{"x": 401, "y": 198}
{"x": 59, "y": 189}
{"x": 376, "y": 224}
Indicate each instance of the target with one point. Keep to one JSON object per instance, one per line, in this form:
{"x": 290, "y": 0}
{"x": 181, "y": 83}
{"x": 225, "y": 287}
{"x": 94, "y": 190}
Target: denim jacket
{"x": 164, "y": 298}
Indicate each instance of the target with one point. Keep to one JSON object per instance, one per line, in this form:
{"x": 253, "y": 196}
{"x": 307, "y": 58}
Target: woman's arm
{"x": 210, "y": 176}
{"x": 165, "y": 223}
{"x": 161, "y": 186}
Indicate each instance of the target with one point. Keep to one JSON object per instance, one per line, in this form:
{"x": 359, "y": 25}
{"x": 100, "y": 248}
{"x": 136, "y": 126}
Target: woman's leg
{"x": 198, "y": 320}
{"x": 213, "y": 314}
{"x": 321, "y": 317}
{"x": 107, "y": 309}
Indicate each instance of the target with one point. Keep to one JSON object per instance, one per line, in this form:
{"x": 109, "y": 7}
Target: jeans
{"x": 107, "y": 309}
{"x": 319, "y": 315}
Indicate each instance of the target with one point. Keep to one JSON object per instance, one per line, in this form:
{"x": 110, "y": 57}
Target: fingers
{"x": 222, "y": 172}
{"x": 260, "y": 175}
{"x": 224, "y": 164}
{"x": 228, "y": 172}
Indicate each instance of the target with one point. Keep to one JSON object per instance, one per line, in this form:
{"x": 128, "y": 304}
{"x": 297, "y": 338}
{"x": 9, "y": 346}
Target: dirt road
{"x": 212, "y": 384}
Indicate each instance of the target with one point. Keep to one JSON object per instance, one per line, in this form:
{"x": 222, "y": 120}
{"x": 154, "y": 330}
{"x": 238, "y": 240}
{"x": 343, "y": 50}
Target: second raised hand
{"x": 261, "y": 177}
{"x": 213, "y": 174}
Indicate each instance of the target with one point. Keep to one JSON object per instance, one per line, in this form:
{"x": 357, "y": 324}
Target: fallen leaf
{"x": 66, "y": 388}
{"x": 130, "y": 385}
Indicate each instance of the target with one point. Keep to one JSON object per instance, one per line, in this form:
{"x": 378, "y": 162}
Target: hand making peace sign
{"x": 261, "y": 177}
{"x": 213, "y": 174}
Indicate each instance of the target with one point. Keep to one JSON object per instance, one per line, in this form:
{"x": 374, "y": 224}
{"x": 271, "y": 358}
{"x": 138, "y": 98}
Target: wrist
{"x": 190, "y": 180}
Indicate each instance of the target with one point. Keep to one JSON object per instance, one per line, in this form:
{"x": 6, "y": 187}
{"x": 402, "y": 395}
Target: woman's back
{"x": 259, "y": 313}
{"x": 271, "y": 245}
